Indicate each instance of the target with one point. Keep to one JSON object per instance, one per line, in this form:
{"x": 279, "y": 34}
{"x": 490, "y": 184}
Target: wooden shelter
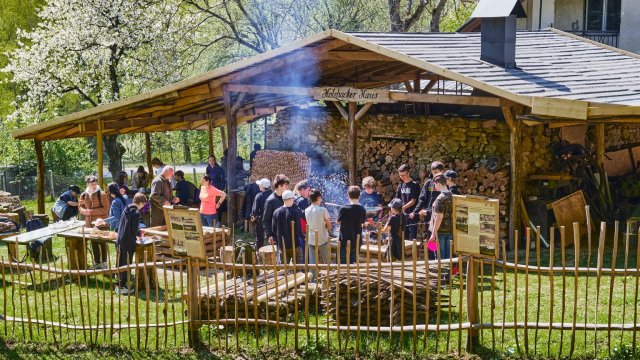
{"x": 560, "y": 78}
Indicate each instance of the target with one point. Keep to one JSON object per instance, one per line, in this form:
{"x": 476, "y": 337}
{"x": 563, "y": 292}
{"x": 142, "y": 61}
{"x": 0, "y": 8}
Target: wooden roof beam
{"x": 272, "y": 64}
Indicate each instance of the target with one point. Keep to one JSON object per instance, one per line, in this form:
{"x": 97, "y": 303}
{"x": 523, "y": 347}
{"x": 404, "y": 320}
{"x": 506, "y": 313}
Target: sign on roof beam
{"x": 352, "y": 94}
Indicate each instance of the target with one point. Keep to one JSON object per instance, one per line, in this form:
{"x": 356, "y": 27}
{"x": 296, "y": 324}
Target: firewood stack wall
{"x": 478, "y": 149}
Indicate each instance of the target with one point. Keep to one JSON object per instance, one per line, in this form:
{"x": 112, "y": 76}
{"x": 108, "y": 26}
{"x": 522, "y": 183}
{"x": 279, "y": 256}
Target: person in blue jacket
{"x": 118, "y": 203}
{"x": 128, "y": 233}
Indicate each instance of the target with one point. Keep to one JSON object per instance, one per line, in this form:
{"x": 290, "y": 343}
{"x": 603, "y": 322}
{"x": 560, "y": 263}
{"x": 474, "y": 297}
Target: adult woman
{"x": 118, "y": 203}
{"x": 122, "y": 179}
{"x": 140, "y": 178}
{"x": 208, "y": 204}
{"x": 67, "y": 205}
{"x": 94, "y": 205}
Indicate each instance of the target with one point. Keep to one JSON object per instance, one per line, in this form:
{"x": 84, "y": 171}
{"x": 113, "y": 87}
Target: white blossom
{"x": 101, "y": 50}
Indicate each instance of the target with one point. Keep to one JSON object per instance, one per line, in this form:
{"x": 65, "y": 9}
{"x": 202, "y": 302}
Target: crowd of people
{"x": 288, "y": 219}
{"x": 283, "y": 218}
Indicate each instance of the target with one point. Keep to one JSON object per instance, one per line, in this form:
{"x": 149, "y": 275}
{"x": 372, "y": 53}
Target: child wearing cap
{"x": 451, "y": 175}
{"x": 395, "y": 226}
{"x": 257, "y": 209}
{"x": 283, "y": 237}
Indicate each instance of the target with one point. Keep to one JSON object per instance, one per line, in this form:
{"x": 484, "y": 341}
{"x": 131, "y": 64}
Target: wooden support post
{"x": 100, "y": 151}
{"x": 250, "y": 137}
{"x": 599, "y": 142}
{"x": 223, "y": 137}
{"x": 211, "y": 135}
{"x": 265, "y": 134}
{"x": 40, "y": 170}
{"x": 473, "y": 338}
{"x": 352, "y": 155}
{"x": 230, "y": 110}
{"x": 515, "y": 196}
{"x": 147, "y": 144}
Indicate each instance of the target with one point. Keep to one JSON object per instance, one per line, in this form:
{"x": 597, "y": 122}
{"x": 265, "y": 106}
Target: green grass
{"x": 137, "y": 309}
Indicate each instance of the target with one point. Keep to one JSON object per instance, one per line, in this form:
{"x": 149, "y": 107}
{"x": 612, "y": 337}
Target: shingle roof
{"x": 549, "y": 64}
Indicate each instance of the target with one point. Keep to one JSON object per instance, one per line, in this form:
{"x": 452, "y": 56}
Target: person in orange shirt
{"x": 208, "y": 204}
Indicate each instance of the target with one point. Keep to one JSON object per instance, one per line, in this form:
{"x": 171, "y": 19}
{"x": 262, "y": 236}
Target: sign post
{"x": 185, "y": 238}
{"x": 475, "y": 233}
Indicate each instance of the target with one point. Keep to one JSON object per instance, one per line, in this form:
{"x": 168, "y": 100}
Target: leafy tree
{"x": 98, "y": 51}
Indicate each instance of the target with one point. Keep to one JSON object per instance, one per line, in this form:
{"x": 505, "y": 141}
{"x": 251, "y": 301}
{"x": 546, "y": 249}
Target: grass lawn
{"x": 79, "y": 302}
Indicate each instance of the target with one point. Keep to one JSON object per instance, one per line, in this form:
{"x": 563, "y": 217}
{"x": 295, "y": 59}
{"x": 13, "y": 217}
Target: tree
{"x": 259, "y": 26}
{"x": 98, "y": 51}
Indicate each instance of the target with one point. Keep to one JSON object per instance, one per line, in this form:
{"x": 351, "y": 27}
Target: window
{"x": 603, "y": 15}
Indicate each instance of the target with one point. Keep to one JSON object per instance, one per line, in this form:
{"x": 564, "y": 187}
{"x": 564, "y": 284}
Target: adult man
{"x": 351, "y": 217}
{"x": 451, "y": 175}
{"x": 284, "y": 235}
{"x": 428, "y": 194}
{"x": 258, "y": 209}
{"x": 161, "y": 195}
{"x": 318, "y": 226}
{"x": 186, "y": 192}
{"x": 217, "y": 173}
{"x": 442, "y": 220}
{"x": 274, "y": 201}
{"x": 256, "y": 148}
{"x": 408, "y": 191}
{"x": 251, "y": 190}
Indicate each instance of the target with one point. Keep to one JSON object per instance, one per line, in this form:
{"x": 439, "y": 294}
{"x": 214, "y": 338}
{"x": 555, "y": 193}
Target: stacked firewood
{"x": 270, "y": 295}
{"x": 392, "y": 289}
{"x": 269, "y": 163}
{"x": 214, "y": 239}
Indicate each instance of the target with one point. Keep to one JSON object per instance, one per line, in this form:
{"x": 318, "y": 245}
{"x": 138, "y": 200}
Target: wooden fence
{"x": 537, "y": 302}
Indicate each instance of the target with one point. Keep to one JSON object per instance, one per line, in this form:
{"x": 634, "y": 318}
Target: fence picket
{"x": 552, "y": 244}
{"x": 614, "y": 258}
{"x": 576, "y": 244}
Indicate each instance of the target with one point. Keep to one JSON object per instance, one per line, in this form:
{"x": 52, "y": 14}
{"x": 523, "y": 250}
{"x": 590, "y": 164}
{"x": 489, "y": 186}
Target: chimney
{"x": 498, "y": 30}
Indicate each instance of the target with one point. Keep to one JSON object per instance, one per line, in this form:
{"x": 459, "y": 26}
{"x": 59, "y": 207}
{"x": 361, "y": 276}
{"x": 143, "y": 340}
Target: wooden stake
{"x": 378, "y": 296}
{"x": 515, "y": 289}
{"x": 338, "y": 301}
{"x": 147, "y": 294}
{"x": 527, "y": 251}
{"x": 348, "y": 260}
{"x": 564, "y": 284}
{"x": 306, "y": 285}
{"x": 493, "y": 303}
{"x": 504, "y": 290}
{"x": 165, "y": 310}
{"x": 576, "y": 244}
{"x": 586, "y": 282}
{"x": 635, "y": 300}
{"x": 473, "y": 340}
{"x": 539, "y": 293}
{"x": 603, "y": 231}
{"x": 624, "y": 283}
{"x": 552, "y": 244}
{"x": 414, "y": 256}
{"x": 612, "y": 278}
{"x": 359, "y": 316}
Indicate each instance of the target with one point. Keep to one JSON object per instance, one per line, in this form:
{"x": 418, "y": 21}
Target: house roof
{"x": 549, "y": 64}
{"x": 558, "y": 75}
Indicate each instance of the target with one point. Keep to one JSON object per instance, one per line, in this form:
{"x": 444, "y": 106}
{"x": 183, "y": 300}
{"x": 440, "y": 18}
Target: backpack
{"x": 35, "y": 246}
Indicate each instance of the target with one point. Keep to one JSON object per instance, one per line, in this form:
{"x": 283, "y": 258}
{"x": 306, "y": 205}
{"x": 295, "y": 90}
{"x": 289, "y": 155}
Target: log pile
{"x": 229, "y": 296}
{"x": 269, "y": 163}
{"x": 381, "y": 282}
{"x": 214, "y": 239}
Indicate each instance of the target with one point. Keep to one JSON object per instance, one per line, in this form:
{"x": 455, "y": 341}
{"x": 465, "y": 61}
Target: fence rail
{"x": 559, "y": 302}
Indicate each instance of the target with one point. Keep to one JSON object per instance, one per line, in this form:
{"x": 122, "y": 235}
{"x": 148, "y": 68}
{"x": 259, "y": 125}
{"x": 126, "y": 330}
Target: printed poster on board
{"x": 475, "y": 226}
{"x": 185, "y": 232}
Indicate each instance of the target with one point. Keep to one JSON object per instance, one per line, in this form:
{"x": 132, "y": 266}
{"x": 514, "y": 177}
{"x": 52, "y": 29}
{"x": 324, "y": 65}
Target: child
{"x": 395, "y": 226}
{"x": 128, "y": 233}
{"x": 351, "y": 217}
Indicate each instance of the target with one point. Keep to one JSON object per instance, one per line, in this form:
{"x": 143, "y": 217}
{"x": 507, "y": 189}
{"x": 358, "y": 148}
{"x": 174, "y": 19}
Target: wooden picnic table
{"x": 76, "y": 244}
{"x": 13, "y": 240}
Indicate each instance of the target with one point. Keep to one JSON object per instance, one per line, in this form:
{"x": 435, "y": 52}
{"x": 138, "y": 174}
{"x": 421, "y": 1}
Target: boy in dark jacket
{"x": 351, "y": 217}
{"x": 274, "y": 201}
{"x": 282, "y": 229}
{"x": 128, "y": 233}
{"x": 258, "y": 209}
